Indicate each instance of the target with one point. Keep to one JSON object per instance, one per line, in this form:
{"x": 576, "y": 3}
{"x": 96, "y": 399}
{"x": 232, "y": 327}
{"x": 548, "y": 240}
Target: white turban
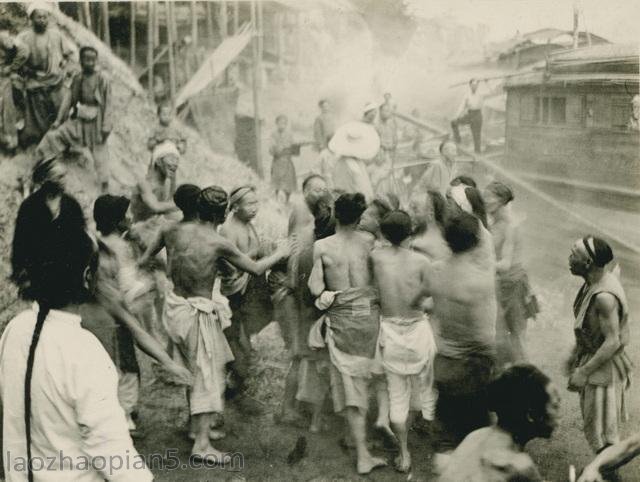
{"x": 39, "y": 5}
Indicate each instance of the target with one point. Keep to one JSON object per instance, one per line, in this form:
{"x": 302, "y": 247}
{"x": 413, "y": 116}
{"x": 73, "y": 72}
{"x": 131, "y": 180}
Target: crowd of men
{"x": 416, "y": 300}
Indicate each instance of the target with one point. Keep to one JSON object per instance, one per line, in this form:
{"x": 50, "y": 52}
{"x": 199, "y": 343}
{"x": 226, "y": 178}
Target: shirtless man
{"x": 341, "y": 266}
{"x": 186, "y": 199}
{"x": 195, "y": 316}
{"x": 406, "y": 340}
{"x": 464, "y": 319}
{"x": 249, "y": 298}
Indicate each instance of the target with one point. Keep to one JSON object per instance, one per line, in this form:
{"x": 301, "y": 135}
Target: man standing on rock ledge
{"x": 41, "y": 59}
{"x": 91, "y": 120}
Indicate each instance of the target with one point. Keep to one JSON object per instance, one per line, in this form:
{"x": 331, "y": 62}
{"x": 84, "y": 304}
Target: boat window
{"x": 529, "y": 109}
{"x": 558, "y": 110}
{"x": 545, "y": 110}
{"x": 621, "y": 113}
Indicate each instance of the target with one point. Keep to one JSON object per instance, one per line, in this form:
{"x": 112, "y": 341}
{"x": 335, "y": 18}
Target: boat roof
{"x": 599, "y": 64}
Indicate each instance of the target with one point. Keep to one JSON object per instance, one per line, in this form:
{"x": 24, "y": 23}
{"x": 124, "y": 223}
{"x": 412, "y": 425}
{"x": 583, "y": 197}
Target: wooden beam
{"x": 154, "y": 61}
{"x": 104, "y": 13}
{"x": 150, "y": 43}
{"x": 194, "y": 23}
{"x": 171, "y": 41}
{"x": 260, "y": 31}
{"x": 132, "y": 35}
{"x": 156, "y": 24}
{"x": 257, "y": 67}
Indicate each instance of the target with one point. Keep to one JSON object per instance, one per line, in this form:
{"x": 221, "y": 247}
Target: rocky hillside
{"x": 129, "y": 158}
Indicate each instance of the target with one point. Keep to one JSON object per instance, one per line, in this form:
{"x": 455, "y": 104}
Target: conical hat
{"x": 355, "y": 139}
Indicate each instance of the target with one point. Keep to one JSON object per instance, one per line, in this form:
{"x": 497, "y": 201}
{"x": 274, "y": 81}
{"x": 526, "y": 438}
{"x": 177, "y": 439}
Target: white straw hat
{"x": 355, "y": 139}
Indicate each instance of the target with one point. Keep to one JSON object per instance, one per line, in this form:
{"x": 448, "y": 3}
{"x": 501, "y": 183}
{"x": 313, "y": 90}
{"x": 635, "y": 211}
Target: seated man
{"x": 341, "y": 265}
{"x": 527, "y": 404}
{"x": 406, "y": 340}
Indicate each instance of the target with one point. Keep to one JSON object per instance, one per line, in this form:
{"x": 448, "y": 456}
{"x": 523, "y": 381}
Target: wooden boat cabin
{"x": 574, "y": 125}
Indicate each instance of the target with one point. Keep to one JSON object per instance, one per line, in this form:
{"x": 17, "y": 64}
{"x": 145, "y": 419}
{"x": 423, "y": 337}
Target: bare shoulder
{"x": 605, "y": 303}
{"x": 367, "y": 239}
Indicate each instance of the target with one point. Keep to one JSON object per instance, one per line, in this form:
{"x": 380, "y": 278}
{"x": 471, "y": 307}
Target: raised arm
{"x": 611, "y": 458}
{"x": 606, "y": 310}
{"x": 237, "y": 258}
{"x": 150, "y": 199}
{"x": 154, "y": 248}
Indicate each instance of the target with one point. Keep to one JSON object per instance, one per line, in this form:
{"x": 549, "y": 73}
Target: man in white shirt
{"x": 61, "y": 416}
{"x": 470, "y": 112}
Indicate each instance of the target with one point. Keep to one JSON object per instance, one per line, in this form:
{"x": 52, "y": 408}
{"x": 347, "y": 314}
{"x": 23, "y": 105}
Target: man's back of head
{"x": 212, "y": 204}
{"x": 349, "y": 208}
{"x": 396, "y": 227}
{"x": 186, "y": 198}
{"x": 462, "y": 232}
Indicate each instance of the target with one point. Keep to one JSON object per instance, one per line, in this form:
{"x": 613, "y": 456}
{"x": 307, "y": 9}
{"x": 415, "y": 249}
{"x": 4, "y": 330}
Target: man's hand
{"x": 590, "y": 474}
{"x": 56, "y": 123}
{"x": 285, "y": 248}
{"x": 577, "y": 380}
{"x": 182, "y": 375}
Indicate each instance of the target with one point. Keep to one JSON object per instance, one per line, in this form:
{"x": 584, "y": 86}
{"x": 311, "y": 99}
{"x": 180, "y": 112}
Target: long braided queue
{"x": 42, "y": 315}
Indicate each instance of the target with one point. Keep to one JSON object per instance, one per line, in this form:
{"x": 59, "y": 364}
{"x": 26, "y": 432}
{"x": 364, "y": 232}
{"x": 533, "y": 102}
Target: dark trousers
{"x": 462, "y": 405}
{"x": 240, "y": 347}
{"x": 474, "y": 119}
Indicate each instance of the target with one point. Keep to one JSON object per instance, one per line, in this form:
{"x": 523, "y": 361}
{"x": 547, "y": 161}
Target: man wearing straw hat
{"x": 354, "y": 143}
{"x": 41, "y": 61}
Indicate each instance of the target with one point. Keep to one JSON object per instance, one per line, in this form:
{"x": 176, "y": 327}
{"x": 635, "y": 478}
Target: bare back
{"x": 399, "y": 274}
{"x": 193, "y": 250}
{"x": 344, "y": 259}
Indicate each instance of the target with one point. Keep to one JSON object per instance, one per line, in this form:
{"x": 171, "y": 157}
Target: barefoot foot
{"x": 402, "y": 464}
{"x": 211, "y": 456}
{"x": 369, "y": 463}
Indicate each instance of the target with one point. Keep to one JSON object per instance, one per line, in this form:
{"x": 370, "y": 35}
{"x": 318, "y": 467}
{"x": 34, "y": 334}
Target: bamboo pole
{"x": 194, "y": 23}
{"x": 171, "y": 41}
{"x": 106, "y": 35}
{"x": 256, "y": 88}
{"x": 156, "y": 24}
{"x": 260, "y": 30}
{"x": 86, "y": 9}
{"x": 280, "y": 43}
{"x": 224, "y": 20}
{"x": 150, "y": 42}
{"x": 132, "y": 36}
{"x": 236, "y": 16}
{"x": 209, "y": 20}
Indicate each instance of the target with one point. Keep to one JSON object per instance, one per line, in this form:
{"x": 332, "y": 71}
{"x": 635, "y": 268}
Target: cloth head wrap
{"x": 212, "y": 203}
{"x": 598, "y": 250}
{"x": 166, "y": 148}
{"x": 39, "y": 5}
{"x": 459, "y": 196}
{"x": 239, "y": 193}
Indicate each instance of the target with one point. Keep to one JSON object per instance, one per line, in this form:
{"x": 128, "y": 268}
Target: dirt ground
{"x": 265, "y": 445}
